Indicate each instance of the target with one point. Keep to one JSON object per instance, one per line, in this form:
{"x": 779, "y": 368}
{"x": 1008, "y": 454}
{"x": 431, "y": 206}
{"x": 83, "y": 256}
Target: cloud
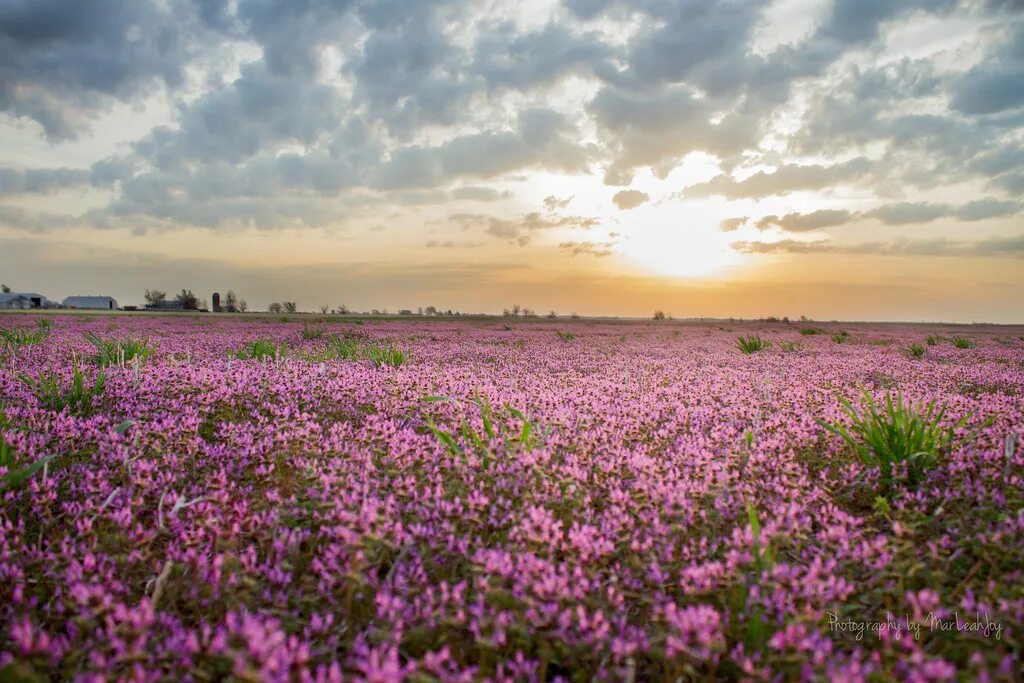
{"x": 988, "y": 207}
{"x": 994, "y": 246}
{"x": 542, "y": 139}
{"x": 786, "y": 179}
{"x": 598, "y": 249}
{"x": 40, "y": 181}
{"x": 732, "y": 224}
{"x": 451, "y": 244}
{"x": 803, "y": 222}
{"x": 62, "y": 63}
{"x": 479, "y": 194}
{"x": 997, "y": 83}
{"x": 519, "y": 230}
{"x": 289, "y": 114}
{"x": 905, "y": 213}
{"x": 260, "y": 112}
{"x": 34, "y": 221}
{"x": 630, "y": 199}
{"x": 551, "y": 202}
{"x": 658, "y": 127}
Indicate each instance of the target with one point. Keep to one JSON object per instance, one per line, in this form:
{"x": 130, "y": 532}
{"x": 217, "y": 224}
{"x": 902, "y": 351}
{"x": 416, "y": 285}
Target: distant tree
{"x": 243, "y": 306}
{"x": 529, "y": 313}
{"x": 5, "y": 289}
{"x": 449, "y": 313}
{"x": 430, "y": 310}
{"x": 188, "y": 300}
{"x": 323, "y": 308}
{"x": 574, "y": 315}
{"x": 291, "y": 307}
{"x": 275, "y": 308}
{"x": 374, "y": 311}
{"x": 343, "y": 309}
{"x": 231, "y": 301}
{"x": 516, "y": 310}
{"x": 659, "y": 315}
{"x": 552, "y": 315}
{"x": 154, "y": 297}
{"x": 419, "y": 311}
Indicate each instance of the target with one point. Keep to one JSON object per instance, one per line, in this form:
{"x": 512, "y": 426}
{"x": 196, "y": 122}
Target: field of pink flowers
{"x": 508, "y": 501}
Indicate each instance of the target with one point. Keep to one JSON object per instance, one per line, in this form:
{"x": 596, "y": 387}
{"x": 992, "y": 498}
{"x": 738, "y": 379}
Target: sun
{"x": 687, "y": 248}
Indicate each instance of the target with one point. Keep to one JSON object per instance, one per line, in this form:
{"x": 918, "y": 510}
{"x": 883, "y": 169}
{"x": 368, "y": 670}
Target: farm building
{"x": 24, "y": 300}
{"x": 106, "y": 303}
{"x": 172, "y": 305}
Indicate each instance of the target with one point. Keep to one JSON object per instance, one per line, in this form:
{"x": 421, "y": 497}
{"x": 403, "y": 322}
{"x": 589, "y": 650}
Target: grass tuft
{"x": 841, "y": 337}
{"x": 915, "y": 350}
{"x": 18, "y": 337}
{"x": 751, "y": 344}
{"x": 260, "y": 349}
{"x": 386, "y": 355}
{"x": 903, "y": 441}
{"x": 310, "y": 332}
{"x": 962, "y": 343}
{"x": 117, "y": 352}
{"x": 78, "y": 398}
{"x": 495, "y": 425}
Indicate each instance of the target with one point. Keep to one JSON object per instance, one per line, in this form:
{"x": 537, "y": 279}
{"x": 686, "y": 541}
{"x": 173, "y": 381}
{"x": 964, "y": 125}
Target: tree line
{"x": 156, "y": 298}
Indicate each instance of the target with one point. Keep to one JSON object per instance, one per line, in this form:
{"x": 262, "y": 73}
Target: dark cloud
{"x": 260, "y": 112}
{"x": 61, "y": 63}
{"x": 505, "y": 59}
{"x": 853, "y": 22}
{"x": 997, "y": 83}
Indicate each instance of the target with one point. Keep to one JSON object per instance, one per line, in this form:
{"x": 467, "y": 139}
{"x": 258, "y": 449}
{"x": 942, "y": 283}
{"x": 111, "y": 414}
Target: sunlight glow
{"x": 680, "y": 251}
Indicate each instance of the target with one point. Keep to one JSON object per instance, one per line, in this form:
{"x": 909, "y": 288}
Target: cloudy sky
{"x": 858, "y": 159}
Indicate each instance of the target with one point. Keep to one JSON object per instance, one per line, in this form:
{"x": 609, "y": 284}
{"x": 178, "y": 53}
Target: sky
{"x": 839, "y": 159}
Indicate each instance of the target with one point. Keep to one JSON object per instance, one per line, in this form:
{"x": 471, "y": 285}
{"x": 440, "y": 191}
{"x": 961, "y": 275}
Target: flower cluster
{"x": 640, "y": 502}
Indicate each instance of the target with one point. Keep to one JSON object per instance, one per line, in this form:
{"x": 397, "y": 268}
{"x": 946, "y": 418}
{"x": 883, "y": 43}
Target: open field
{"x": 226, "y": 496}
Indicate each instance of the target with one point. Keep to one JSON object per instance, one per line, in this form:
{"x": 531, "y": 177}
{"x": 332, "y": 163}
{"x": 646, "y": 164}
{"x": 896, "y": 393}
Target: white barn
{"x": 106, "y": 303}
{"x": 23, "y": 300}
